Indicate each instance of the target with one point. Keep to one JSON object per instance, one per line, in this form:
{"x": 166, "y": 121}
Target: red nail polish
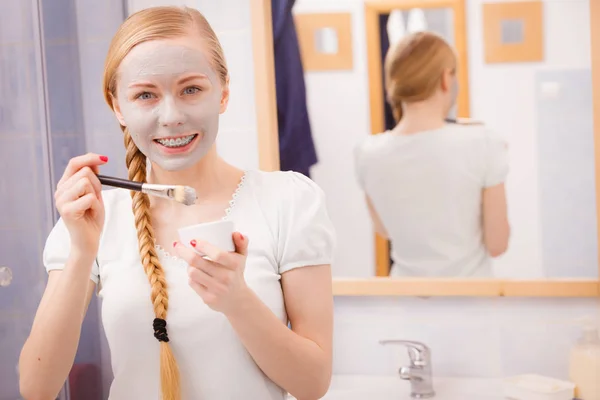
{"x": 174, "y": 244}
{"x": 193, "y": 243}
{"x": 103, "y": 158}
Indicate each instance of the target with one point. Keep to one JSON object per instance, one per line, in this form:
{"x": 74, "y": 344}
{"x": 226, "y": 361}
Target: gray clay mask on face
{"x": 174, "y": 123}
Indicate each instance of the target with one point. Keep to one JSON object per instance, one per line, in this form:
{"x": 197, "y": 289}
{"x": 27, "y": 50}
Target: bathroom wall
{"x": 96, "y": 23}
{"x": 485, "y": 337}
{"x": 567, "y": 41}
{"x": 475, "y": 337}
{"x": 338, "y": 108}
{"x": 532, "y": 201}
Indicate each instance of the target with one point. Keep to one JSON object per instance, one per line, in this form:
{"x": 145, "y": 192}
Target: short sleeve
{"x": 496, "y": 160}
{"x": 57, "y": 249}
{"x": 306, "y": 234}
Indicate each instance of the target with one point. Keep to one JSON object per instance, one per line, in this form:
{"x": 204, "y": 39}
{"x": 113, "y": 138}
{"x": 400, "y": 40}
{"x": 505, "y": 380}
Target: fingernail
{"x": 193, "y": 243}
{"x": 174, "y": 244}
{"x": 103, "y": 158}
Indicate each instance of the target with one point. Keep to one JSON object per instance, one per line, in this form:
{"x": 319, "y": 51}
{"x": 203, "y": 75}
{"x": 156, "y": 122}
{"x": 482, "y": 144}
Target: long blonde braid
{"x": 169, "y": 372}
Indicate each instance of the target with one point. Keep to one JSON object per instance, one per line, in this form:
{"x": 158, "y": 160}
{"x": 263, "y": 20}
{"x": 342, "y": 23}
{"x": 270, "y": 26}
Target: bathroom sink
{"x": 361, "y": 387}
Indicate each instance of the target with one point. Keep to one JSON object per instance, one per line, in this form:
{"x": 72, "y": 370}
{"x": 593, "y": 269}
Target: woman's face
{"x": 170, "y": 97}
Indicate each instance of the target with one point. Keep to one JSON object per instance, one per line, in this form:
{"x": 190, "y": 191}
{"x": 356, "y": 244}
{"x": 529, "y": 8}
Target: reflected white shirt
{"x": 285, "y": 218}
{"x": 426, "y": 188}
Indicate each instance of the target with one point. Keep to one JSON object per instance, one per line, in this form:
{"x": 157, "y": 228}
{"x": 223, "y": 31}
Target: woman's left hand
{"x": 218, "y": 280}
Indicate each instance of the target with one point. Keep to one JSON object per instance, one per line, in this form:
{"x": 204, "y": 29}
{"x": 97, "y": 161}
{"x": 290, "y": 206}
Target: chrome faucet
{"x": 419, "y": 372}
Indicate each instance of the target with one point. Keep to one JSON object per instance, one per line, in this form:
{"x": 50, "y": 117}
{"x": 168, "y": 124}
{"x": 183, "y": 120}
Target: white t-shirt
{"x": 426, "y": 188}
{"x": 285, "y": 218}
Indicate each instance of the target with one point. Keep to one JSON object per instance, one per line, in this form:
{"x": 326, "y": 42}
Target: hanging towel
{"x": 296, "y": 147}
{"x": 384, "y": 43}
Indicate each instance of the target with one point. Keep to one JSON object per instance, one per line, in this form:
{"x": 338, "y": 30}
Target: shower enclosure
{"x": 51, "y": 109}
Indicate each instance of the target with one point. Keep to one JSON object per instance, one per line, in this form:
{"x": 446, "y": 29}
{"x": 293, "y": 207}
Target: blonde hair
{"x": 154, "y": 24}
{"x": 414, "y": 68}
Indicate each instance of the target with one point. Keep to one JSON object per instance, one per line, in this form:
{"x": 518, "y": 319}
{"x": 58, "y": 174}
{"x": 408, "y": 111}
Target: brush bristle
{"x": 185, "y": 195}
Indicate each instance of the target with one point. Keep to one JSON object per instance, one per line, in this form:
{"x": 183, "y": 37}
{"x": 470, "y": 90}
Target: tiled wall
{"x": 237, "y": 141}
{"x": 471, "y": 337}
{"x": 77, "y": 36}
{"x": 97, "y": 22}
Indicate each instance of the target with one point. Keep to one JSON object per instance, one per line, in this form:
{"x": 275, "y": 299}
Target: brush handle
{"x": 120, "y": 183}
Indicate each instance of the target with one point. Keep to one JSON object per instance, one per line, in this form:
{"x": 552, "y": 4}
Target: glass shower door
{"x": 51, "y": 109}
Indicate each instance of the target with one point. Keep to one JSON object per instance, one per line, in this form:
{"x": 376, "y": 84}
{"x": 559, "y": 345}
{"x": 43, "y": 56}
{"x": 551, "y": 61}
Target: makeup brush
{"x": 181, "y": 194}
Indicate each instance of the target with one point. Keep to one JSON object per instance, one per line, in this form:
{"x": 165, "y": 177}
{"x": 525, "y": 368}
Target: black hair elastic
{"x": 160, "y": 330}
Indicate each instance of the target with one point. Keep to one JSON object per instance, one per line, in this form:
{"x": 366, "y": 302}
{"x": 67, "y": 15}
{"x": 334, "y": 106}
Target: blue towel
{"x": 390, "y": 121}
{"x": 296, "y": 147}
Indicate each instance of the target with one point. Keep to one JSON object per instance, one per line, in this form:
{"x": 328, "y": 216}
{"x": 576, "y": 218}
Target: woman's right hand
{"x": 78, "y": 199}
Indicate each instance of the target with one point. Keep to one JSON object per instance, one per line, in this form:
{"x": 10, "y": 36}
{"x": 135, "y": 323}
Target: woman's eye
{"x": 145, "y": 96}
{"x": 191, "y": 90}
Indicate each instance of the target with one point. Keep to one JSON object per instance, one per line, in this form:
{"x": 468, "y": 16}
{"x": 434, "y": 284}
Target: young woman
{"x": 221, "y": 326}
{"x": 435, "y": 189}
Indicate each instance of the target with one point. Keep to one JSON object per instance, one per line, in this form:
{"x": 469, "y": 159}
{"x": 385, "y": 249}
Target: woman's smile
{"x": 176, "y": 145}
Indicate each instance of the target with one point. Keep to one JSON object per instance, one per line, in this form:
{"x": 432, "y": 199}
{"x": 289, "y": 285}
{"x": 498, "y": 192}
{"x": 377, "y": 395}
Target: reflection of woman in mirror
{"x": 182, "y": 326}
{"x": 435, "y": 189}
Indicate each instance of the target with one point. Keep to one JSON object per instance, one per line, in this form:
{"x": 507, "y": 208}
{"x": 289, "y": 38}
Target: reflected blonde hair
{"x": 414, "y": 68}
{"x": 154, "y": 24}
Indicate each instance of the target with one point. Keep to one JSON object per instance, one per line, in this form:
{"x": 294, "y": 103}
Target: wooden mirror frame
{"x": 266, "y": 115}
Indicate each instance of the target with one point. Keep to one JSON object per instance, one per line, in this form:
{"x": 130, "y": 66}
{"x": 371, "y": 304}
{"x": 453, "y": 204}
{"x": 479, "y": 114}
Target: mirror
{"x": 524, "y": 78}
